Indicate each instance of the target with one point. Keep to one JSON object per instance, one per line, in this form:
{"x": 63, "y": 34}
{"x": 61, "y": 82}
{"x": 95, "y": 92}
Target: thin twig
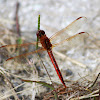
{"x": 70, "y": 59}
{"x": 17, "y": 20}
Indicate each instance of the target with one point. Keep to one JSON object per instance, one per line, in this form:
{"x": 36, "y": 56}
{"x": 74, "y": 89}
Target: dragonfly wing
{"x": 71, "y": 28}
{"x": 73, "y": 40}
{"x": 16, "y": 45}
{"x": 13, "y": 47}
{"x": 26, "y": 54}
{"x": 8, "y": 51}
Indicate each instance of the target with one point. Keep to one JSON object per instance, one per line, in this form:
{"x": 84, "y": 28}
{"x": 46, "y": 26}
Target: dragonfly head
{"x": 40, "y": 33}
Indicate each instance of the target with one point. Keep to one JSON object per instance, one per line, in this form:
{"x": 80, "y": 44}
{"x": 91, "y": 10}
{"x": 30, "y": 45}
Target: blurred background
{"x": 55, "y": 15}
{"x": 80, "y": 60}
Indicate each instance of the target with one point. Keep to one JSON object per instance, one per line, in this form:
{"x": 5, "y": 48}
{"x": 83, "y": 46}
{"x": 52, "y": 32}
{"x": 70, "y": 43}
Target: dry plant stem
{"x": 87, "y": 96}
{"x": 34, "y": 75}
{"x": 2, "y": 97}
{"x": 50, "y": 94}
{"x": 17, "y": 20}
{"x": 11, "y": 86}
{"x": 30, "y": 63}
{"x": 6, "y": 96}
{"x": 45, "y": 69}
{"x": 70, "y": 59}
{"x": 72, "y": 95}
{"x": 95, "y": 81}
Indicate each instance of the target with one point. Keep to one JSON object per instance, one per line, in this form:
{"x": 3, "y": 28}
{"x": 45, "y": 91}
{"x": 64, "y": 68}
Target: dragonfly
{"x": 58, "y": 38}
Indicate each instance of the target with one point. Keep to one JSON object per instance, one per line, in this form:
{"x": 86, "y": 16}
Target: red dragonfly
{"x": 46, "y": 42}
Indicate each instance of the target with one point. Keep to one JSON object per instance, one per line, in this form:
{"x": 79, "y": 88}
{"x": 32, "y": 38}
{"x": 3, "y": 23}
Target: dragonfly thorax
{"x": 44, "y": 40}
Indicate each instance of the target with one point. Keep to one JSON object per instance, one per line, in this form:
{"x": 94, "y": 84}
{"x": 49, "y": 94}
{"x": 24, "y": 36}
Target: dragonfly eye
{"x": 40, "y": 33}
